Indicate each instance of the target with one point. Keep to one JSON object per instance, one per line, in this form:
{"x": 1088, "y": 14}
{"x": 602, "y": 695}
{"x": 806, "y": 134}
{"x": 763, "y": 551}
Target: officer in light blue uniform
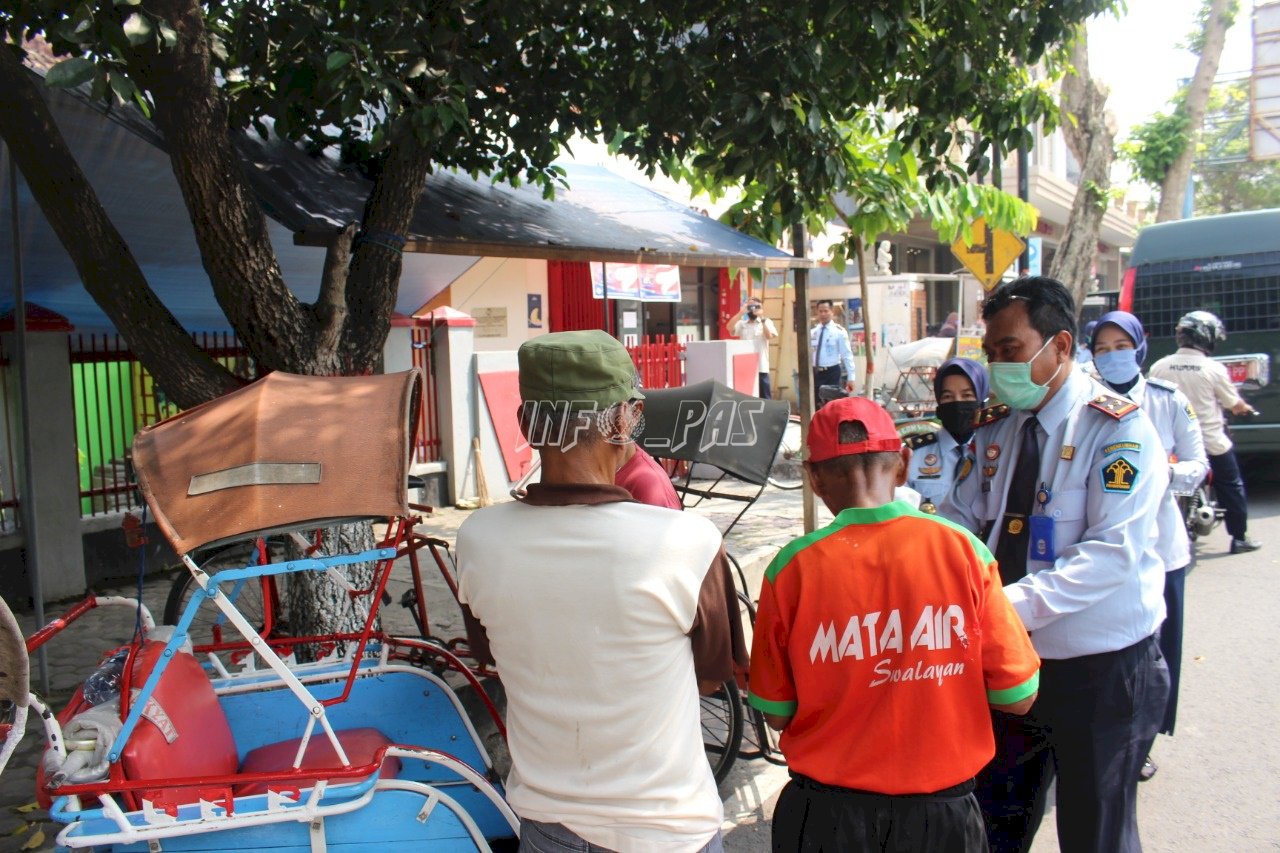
{"x": 941, "y": 457}
{"x": 1073, "y": 528}
{"x": 1120, "y": 348}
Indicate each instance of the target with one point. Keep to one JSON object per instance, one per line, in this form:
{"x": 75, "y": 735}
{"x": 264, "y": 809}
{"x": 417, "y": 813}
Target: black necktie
{"x": 1011, "y": 549}
{"x": 817, "y": 353}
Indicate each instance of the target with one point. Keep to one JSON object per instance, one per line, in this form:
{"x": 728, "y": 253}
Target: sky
{"x": 1138, "y": 58}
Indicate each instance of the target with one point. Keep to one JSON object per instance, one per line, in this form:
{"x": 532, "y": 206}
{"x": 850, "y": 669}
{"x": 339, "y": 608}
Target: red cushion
{"x": 203, "y": 745}
{"x": 361, "y": 746}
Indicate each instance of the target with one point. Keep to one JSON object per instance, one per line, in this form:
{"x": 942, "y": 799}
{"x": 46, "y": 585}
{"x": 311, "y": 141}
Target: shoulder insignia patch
{"x": 1162, "y": 383}
{"x": 1121, "y": 445}
{"x": 1112, "y": 405}
{"x": 921, "y": 439}
{"x": 1118, "y": 475}
{"x": 991, "y": 414}
{"x": 1190, "y": 410}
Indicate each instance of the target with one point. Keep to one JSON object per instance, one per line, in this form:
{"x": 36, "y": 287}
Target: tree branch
{"x": 106, "y": 266}
{"x": 230, "y": 227}
{"x": 374, "y": 280}
{"x": 331, "y": 304}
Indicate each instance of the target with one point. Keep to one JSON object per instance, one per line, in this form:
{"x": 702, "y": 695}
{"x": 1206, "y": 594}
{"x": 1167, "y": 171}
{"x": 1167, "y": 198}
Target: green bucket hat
{"x": 579, "y": 368}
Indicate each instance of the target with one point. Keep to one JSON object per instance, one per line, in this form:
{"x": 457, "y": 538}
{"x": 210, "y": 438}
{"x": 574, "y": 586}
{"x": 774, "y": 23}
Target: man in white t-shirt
{"x": 605, "y": 617}
{"x": 750, "y": 324}
{"x": 1210, "y": 390}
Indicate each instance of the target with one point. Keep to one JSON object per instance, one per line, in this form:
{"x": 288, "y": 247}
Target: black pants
{"x": 766, "y": 393}
{"x": 1228, "y": 486}
{"x": 1175, "y": 586}
{"x": 1092, "y": 725}
{"x": 825, "y": 376}
{"x": 815, "y": 818}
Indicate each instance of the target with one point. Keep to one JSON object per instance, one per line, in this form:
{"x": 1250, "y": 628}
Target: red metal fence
{"x": 659, "y": 361}
{"x": 427, "y": 443}
{"x": 115, "y": 397}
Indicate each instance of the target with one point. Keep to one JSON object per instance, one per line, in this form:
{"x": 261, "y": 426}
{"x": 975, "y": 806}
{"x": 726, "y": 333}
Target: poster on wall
{"x": 534, "y": 310}
{"x": 970, "y": 346}
{"x": 893, "y": 334}
{"x": 490, "y": 322}
{"x": 858, "y": 342}
{"x": 645, "y": 282}
{"x": 853, "y": 313}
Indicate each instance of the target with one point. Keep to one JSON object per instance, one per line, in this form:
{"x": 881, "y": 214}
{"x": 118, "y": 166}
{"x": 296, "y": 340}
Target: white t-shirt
{"x": 1208, "y": 386}
{"x": 754, "y": 332}
{"x": 588, "y": 611}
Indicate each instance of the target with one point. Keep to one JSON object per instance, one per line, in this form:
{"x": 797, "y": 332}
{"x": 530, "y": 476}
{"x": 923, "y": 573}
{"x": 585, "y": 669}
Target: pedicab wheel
{"x": 209, "y": 626}
{"x": 787, "y": 471}
{"x": 722, "y": 728}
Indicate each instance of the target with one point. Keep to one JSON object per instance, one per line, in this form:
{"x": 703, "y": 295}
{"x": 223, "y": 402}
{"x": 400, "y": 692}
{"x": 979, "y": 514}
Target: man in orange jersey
{"x": 880, "y": 643}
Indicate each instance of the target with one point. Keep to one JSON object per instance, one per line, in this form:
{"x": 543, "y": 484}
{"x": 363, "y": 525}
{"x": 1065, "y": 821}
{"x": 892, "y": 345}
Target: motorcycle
{"x": 1200, "y": 510}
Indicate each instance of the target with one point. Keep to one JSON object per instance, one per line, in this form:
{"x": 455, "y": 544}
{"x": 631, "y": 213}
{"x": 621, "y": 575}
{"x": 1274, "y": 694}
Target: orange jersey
{"x": 885, "y": 636}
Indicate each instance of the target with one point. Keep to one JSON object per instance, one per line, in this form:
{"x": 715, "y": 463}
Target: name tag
{"x": 1042, "y": 539}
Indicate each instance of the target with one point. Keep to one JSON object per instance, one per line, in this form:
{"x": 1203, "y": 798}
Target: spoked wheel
{"x": 210, "y": 625}
{"x": 787, "y": 471}
{"x": 722, "y": 728}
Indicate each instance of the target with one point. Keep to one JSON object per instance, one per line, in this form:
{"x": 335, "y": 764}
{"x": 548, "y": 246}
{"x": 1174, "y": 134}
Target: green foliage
{"x": 1152, "y": 147}
{"x": 790, "y": 102}
{"x": 1195, "y": 38}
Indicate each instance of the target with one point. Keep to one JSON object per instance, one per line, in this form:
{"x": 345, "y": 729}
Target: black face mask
{"x": 957, "y": 417}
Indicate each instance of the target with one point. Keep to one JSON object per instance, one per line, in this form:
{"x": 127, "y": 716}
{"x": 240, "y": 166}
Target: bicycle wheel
{"x": 787, "y": 472}
{"x": 210, "y": 625}
{"x": 722, "y": 728}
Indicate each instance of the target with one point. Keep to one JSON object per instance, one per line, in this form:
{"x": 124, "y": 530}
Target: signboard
{"x": 490, "y": 322}
{"x": 1035, "y": 249}
{"x": 645, "y": 282}
{"x": 990, "y": 253}
{"x": 1264, "y": 89}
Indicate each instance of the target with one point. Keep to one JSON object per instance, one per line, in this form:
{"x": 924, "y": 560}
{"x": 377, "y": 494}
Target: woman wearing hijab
{"x": 1119, "y": 347}
{"x": 942, "y": 458}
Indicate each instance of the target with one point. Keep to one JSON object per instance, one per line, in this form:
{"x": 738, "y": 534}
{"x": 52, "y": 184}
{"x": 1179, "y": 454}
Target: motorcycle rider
{"x": 1119, "y": 348}
{"x": 1210, "y": 390}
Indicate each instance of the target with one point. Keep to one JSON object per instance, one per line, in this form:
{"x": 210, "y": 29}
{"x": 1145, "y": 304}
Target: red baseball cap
{"x": 824, "y": 429}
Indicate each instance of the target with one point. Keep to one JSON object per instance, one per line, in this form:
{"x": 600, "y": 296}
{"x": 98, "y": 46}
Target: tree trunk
{"x": 107, "y": 268}
{"x": 1091, "y": 139}
{"x": 1174, "y": 189}
{"x": 230, "y": 227}
{"x": 317, "y": 605}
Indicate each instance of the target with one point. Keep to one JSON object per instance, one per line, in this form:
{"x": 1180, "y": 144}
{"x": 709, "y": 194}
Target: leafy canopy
{"x": 786, "y": 100}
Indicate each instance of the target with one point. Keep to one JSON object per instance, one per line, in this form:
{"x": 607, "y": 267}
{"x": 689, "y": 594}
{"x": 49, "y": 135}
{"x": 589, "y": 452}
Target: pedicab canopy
{"x": 287, "y": 452}
{"x": 709, "y": 422}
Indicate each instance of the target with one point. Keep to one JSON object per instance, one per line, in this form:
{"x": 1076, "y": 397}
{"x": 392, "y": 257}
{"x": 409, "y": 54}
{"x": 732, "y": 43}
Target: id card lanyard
{"x": 1041, "y": 525}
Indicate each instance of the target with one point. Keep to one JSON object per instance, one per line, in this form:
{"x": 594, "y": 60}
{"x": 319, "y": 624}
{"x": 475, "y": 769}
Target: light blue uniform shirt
{"x": 1104, "y": 591}
{"x": 834, "y": 350}
{"x": 1175, "y": 421}
{"x": 936, "y": 462}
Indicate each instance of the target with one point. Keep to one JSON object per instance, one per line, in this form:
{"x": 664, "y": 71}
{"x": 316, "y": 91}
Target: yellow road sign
{"x": 990, "y": 253}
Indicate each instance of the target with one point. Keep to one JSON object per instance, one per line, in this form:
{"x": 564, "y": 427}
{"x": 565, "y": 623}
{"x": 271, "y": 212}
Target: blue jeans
{"x": 538, "y": 837}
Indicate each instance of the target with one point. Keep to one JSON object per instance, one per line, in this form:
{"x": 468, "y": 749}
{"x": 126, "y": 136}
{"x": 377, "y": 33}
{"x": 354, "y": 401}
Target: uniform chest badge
{"x": 931, "y": 459}
{"x": 993, "y": 452}
{"x": 1015, "y": 526}
{"x": 988, "y": 471}
{"x": 1119, "y": 475}
{"x": 1068, "y": 452}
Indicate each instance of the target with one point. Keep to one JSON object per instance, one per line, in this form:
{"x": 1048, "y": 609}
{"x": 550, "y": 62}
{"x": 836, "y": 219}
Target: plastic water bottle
{"x": 103, "y": 684}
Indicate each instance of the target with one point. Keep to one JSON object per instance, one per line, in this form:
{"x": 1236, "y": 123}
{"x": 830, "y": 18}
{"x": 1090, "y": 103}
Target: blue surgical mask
{"x": 1012, "y": 382}
{"x": 1118, "y": 367}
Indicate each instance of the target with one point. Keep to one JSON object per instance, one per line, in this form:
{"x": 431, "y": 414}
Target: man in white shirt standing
{"x": 1210, "y": 390}
{"x": 605, "y": 616}
{"x": 750, "y": 324}
{"x": 829, "y": 343}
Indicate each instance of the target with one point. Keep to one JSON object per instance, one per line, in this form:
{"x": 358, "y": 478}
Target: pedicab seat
{"x": 185, "y": 733}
